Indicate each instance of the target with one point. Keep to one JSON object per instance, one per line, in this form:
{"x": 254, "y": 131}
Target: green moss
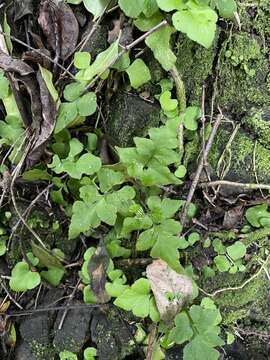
{"x": 257, "y": 122}
{"x": 236, "y": 304}
{"x": 243, "y": 72}
{"x": 195, "y": 64}
{"x": 41, "y": 351}
{"x": 241, "y": 152}
{"x": 256, "y": 16}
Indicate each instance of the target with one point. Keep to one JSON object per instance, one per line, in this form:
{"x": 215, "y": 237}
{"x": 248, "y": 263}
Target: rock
{"x": 98, "y": 40}
{"x": 23, "y": 352}
{"x": 112, "y": 333}
{"x": 75, "y": 329}
{"x": 239, "y": 156}
{"x": 243, "y": 74}
{"x": 35, "y": 331}
{"x": 129, "y": 116}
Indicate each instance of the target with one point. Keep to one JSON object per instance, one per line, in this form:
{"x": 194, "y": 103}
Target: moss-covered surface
{"x": 240, "y": 157}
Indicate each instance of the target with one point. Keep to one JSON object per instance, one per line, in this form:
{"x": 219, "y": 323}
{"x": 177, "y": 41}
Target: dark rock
{"x": 35, "y": 330}
{"x": 129, "y": 116}
{"x": 75, "y": 329}
{"x": 112, "y": 334}
{"x": 97, "y": 42}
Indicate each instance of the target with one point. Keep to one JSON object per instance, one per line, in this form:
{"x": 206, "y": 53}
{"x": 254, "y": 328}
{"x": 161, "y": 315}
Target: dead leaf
{"x": 60, "y": 27}
{"x": 22, "y": 8}
{"x": 46, "y": 126}
{"x": 97, "y": 269}
{"x": 171, "y": 290}
{"x": 233, "y": 217}
{"x": 9, "y": 64}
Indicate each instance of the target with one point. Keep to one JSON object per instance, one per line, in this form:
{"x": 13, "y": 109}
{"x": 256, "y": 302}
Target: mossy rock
{"x": 195, "y": 64}
{"x": 242, "y": 303}
{"x": 130, "y": 116}
{"x": 243, "y": 74}
{"x": 239, "y": 157}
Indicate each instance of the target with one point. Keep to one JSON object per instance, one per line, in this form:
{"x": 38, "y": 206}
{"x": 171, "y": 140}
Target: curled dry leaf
{"x": 22, "y": 8}
{"x": 9, "y": 64}
{"x": 60, "y": 27}
{"x": 46, "y": 126}
{"x": 171, "y": 290}
{"x": 97, "y": 269}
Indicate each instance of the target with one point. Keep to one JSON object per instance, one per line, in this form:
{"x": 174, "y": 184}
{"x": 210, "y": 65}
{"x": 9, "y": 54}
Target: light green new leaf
{"x": 108, "y": 178}
{"x": 96, "y": 7}
{"x": 48, "y": 78}
{"x": 87, "y": 104}
{"x": 132, "y": 8}
{"x": 138, "y": 73}
{"x": 82, "y": 59}
{"x": 53, "y": 276}
{"x": 166, "y": 248}
{"x": 66, "y": 115}
{"x": 104, "y": 60}
{"x": 88, "y": 164}
{"x": 159, "y": 43}
{"x": 169, "y": 5}
{"x": 198, "y": 22}
{"x": 22, "y": 278}
{"x": 136, "y": 298}
{"x": 191, "y": 116}
{"x": 237, "y": 250}
{"x": 256, "y": 214}
{"x": 4, "y": 85}
{"x": 89, "y": 353}
{"x": 73, "y": 91}
{"x": 222, "y": 263}
{"x": 166, "y": 102}
{"x": 226, "y": 8}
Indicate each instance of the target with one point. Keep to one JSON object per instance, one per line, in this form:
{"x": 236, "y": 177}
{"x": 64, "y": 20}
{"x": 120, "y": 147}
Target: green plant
{"x": 199, "y": 327}
{"x": 67, "y": 355}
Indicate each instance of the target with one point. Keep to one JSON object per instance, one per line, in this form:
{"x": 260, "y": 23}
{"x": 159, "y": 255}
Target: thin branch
{"x": 200, "y": 168}
{"x": 126, "y": 49}
{"x": 245, "y": 186}
{"x": 235, "y": 288}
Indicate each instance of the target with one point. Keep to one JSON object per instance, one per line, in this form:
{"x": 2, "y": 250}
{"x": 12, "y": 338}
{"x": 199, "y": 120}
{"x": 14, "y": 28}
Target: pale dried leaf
{"x": 171, "y": 290}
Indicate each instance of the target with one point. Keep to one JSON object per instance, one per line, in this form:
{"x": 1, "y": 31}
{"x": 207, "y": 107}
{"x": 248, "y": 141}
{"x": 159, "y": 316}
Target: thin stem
{"x": 247, "y": 186}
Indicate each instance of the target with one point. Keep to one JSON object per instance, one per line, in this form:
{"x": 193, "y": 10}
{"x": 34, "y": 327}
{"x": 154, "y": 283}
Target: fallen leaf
{"x": 60, "y": 27}
{"x": 97, "y": 269}
{"x": 47, "y": 124}
{"x": 171, "y": 290}
{"x": 9, "y": 64}
{"x": 22, "y": 8}
{"x": 233, "y": 217}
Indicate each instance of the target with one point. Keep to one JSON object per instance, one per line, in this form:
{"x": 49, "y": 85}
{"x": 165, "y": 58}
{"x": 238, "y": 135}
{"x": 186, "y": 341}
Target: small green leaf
{"x": 96, "y": 7}
{"x": 132, "y": 8}
{"x": 22, "y": 278}
{"x": 4, "y": 85}
{"x": 255, "y": 214}
{"x": 190, "y": 118}
{"x": 169, "y": 5}
{"x": 182, "y": 331}
{"x": 66, "y": 115}
{"x": 226, "y": 8}
{"x": 102, "y": 61}
{"x": 73, "y": 91}
{"x": 230, "y": 338}
{"x": 67, "y": 355}
{"x": 181, "y": 171}
{"x": 198, "y": 22}
{"x": 159, "y": 43}
{"x": 237, "y": 250}
{"x": 88, "y": 164}
{"x": 53, "y": 275}
{"x": 89, "y": 353}
{"x": 138, "y": 73}
{"x": 48, "y": 78}
{"x": 167, "y": 104}
{"x": 222, "y": 263}
{"x": 87, "y": 104}
{"x": 193, "y": 238}
{"x": 82, "y": 59}
{"x": 88, "y": 295}
{"x": 108, "y": 178}
{"x": 197, "y": 350}
{"x": 136, "y": 298}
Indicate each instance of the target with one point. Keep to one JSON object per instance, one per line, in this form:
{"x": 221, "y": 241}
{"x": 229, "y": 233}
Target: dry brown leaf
{"x": 97, "y": 269}
{"x": 9, "y": 64}
{"x": 171, "y": 290}
{"x": 60, "y": 27}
